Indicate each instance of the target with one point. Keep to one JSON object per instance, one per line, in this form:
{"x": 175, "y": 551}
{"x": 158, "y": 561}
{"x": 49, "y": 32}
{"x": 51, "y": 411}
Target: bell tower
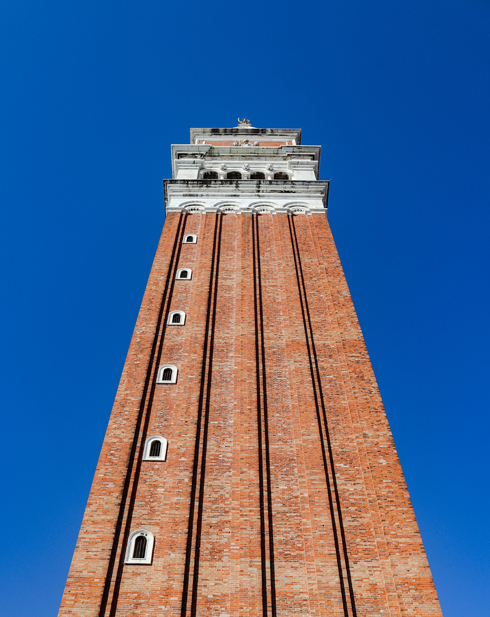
{"x": 248, "y": 469}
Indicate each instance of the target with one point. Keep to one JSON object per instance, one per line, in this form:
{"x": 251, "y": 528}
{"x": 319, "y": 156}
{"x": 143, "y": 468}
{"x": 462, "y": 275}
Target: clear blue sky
{"x": 94, "y": 93}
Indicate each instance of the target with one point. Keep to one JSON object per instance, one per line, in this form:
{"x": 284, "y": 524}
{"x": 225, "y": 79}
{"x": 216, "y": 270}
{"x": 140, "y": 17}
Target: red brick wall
{"x": 282, "y": 492}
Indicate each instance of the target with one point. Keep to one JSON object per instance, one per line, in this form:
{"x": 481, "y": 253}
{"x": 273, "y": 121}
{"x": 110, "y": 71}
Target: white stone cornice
{"x": 246, "y": 196}
{"x": 301, "y": 161}
{"x": 244, "y": 131}
{"x": 304, "y": 170}
{"x": 188, "y": 169}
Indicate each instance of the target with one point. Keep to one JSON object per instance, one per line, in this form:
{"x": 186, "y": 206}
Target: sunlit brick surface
{"x": 282, "y": 493}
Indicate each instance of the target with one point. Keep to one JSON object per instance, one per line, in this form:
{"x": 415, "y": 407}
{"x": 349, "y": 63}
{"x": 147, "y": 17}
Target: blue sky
{"x": 94, "y": 93}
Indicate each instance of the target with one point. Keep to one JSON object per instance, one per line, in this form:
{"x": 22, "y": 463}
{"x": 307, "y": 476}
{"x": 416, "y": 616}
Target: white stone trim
{"x": 226, "y": 166}
{"x": 263, "y": 209}
{"x": 229, "y": 209}
{"x": 163, "y": 449}
{"x": 226, "y": 203}
{"x": 173, "y": 379}
{"x": 190, "y": 162}
{"x": 303, "y": 170}
{"x": 245, "y": 195}
{"x": 244, "y": 131}
{"x": 182, "y": 318}
{"x": 187, "y": 169}
{"x": 150, "y": 543}
{"x": 189, "y": 239}
{"x": 179, "y": 276}
{"x": 261, "y": 204}
{"x": 193, "y": 207}
{"x": 242, "y": 206}
{"x": 298, "y": 208}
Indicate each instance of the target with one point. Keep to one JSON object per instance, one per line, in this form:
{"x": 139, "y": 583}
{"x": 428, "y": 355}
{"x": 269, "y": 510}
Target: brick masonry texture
{"x": 282, "y": 492}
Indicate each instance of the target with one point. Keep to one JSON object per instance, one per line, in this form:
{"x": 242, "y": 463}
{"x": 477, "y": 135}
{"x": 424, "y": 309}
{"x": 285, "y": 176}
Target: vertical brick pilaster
{"x": 282, "y": 493}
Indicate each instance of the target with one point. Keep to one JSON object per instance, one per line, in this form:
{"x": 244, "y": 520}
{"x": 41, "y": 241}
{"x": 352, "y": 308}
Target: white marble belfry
{"x": 218, "y": 171}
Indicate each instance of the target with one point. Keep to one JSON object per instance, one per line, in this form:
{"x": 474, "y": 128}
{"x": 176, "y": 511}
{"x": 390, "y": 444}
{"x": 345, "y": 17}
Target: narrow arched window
{"x": 139, "y": 550}
{"x": 184, "y": 273}
{"x": 156, "y": 447}
{"x": 190, "y": 239}
{"x": 257, "y": 175}
{"x": 281, "y": 175}
{"x": 210, "y": 175}
{"x": 176, "y": 318}
{"x": 167, "y": 374}
{"x": 233, "y": 175}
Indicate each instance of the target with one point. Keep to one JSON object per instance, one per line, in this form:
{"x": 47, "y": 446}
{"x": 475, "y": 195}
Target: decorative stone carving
{"x": 256, "y": 143}
{"x": 222, "y": 167}
{"x": 269, "y": 167}
{"x": 235, "y": 143}
{"x": 246, "y": 167}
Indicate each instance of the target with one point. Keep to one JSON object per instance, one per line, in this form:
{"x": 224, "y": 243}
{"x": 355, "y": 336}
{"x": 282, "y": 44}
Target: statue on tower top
{"x": 244, "y": 121}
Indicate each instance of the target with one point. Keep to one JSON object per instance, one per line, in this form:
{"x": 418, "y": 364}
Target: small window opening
{"x": 156, "y": 448}
{"x": 176, "y": 318}
{"x": 189, "y": 239}
{"x": 281, "y": 175}
{"x": 167, "y": 374}
{"x": 184, "y": 273}
{"x": 210, "y": 175}
{"x": 139, "y": 548}
{"x": 233, "y": 175}
{"x": 257, "y": 175}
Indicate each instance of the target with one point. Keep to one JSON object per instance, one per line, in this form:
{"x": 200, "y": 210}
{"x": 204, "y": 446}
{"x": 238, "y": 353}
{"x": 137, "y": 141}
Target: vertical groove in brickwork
{"x": 250, "y": 516}
{"x": 197, "y": 548}
{"x": 250, "y": 546}
{"x": 380, "y": 573}
{"x": 334, "y": 499}
{"x": 387, "y": 507}
{"x": 191, "y": 569}
{"x": 266, "y": 516}
{"x": 111, "y": 588}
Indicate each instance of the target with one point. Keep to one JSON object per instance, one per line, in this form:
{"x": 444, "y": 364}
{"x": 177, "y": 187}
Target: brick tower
{"x": 248, "y": 469}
